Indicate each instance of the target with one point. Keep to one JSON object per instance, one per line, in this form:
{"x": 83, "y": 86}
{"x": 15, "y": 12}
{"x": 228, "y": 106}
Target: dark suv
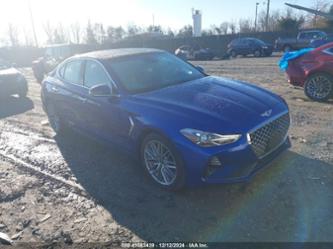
{"x": 246, "y": 46}
{"x": 195, "y": 52}
{"x": 54, "y": 54}
{"x": 12, "y": 81}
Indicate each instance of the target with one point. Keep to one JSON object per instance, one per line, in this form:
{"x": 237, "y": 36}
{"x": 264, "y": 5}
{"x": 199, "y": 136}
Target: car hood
{"x": 9, "y": 71}
{"x": 219, "y": 102}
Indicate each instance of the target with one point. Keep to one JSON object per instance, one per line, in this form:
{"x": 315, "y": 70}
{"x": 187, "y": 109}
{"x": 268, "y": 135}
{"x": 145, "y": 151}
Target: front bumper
{"x": 238, "y": 163}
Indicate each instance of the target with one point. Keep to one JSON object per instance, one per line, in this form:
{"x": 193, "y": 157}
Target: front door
{"x": 104, "y": 115}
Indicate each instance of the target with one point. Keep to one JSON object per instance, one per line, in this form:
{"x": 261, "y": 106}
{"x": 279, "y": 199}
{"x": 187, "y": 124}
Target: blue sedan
{"x": 186, "y": 128}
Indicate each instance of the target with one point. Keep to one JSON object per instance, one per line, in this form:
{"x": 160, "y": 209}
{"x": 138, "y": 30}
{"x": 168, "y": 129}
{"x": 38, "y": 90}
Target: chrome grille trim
{"x": 269, "y": 136}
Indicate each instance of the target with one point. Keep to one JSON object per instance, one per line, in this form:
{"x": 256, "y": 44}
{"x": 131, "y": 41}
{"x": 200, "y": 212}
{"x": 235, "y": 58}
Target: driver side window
{"x": 94, "y": 74}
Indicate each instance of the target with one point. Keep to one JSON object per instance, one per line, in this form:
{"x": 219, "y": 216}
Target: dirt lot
{"x": 74, "y": 189}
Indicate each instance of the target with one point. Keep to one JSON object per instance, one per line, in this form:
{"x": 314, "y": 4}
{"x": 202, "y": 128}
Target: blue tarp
{"x": 283, "y": 63}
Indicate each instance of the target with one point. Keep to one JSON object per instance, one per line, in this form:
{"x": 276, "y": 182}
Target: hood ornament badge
{"x": 267, "y": 113}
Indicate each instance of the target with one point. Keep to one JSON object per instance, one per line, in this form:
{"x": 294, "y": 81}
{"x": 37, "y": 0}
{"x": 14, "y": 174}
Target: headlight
{"x": 207, "y": 139}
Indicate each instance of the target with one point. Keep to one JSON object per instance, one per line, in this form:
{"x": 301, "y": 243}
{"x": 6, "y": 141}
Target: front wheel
{"x": 319, "y": 87}
{"x": 162, "y": 163}
{"x": 257, "y": 53}
{"x": 287, "y": 48}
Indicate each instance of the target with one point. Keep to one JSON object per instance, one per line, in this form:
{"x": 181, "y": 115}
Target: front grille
{"x": 268, "y": 137}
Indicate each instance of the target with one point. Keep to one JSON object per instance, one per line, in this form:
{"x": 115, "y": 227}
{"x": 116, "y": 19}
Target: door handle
{"x": 54, "y": 89}
{"x": 84, "y": 100}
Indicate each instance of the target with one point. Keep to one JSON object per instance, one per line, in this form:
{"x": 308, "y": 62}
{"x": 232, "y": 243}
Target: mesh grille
{"x": 268, "y": 137}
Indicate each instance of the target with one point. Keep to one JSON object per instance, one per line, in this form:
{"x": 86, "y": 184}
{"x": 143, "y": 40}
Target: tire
{"x": 55, "y": 120}
{"x": 233, "y": 54}
{"x": 170, "y": 178}
{"x": 287, "y": 48}
{"x": 319, "y": 87}
{"x": 257, "y": 53}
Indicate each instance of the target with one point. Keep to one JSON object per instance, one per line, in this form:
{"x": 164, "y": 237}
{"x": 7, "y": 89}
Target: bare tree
{"x": 315, "y": 21}
{"x": 186, "y": 31}
{"x": 245, "y": 26}
{"x": 90, "y": 34}
{"x": 133, "y": 29}
{"x": 232, "y": 27}
{"x": 49, "y": 31}
{"x": 13, "y": 35}
{"x": 60, "y": 34}
{"x": 76, "y": 32}
{"x": 110, "y": 34}
{"x": 100, "y": 33}
{"x": 224, "y": 27}
{"x": 28, "y": 39}
{"x": 119, "y": 33}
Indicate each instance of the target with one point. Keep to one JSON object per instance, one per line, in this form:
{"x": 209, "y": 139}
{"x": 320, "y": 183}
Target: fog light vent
{"x": 215, "y": 162}
{"x": 213, "y": 165}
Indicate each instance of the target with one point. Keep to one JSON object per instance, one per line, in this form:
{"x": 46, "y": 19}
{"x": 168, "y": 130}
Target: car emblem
{"x": 267, "y": 113}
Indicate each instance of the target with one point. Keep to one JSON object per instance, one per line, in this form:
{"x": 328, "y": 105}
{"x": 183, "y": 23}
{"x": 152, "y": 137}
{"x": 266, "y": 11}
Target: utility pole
{"x": 256, "y": 19}
{"x": 267, "y": 14}
{"x": 32, "y": 24}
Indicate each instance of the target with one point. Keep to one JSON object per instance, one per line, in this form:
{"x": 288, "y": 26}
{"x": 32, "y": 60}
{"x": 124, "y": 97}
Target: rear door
{"x": 66, "y": 91}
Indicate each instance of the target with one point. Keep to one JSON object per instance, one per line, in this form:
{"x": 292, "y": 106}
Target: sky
{"x": 172, "y": 14}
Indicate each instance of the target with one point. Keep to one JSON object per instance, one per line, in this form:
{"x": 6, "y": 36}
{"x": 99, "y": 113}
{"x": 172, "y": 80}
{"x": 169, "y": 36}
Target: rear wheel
{"x": 55, "y": 120}
{"x": 319, "y": 87}
{"x": 233, "y": 54}
{"x": 162, "y": 162}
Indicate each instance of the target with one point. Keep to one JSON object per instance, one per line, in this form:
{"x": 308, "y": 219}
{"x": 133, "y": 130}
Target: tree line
{"x": 98, "y": 33}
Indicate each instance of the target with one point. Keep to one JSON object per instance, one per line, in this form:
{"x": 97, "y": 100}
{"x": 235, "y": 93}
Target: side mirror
{"x": 102, "y": 90}
{"x": 201, "y": 69}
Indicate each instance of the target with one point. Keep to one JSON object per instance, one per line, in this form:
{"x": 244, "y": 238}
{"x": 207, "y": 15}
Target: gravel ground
{"x": 72, "y": 189}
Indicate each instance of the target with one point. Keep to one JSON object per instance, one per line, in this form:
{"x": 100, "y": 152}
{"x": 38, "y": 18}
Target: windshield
{"x": 4, "y": 65}
{"x": 146, "y": 72}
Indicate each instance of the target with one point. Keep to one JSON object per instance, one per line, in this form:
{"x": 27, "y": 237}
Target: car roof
{"x": 311, "y": 31}
{"x": 114, "y": 53}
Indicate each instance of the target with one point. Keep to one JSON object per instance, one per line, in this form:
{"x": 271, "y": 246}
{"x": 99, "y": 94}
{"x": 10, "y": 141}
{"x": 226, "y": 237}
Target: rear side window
{"x": 61, "y": 71}
{"x": 236, "y": 42}
{"x": 94, "y": 74}
{"x": 72, "y": 72}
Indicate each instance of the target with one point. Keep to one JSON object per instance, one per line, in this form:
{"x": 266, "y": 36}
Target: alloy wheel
{"x": 319, "y": 87}
{"x": 160, "y": 162}
{"x": 257, "y": 53}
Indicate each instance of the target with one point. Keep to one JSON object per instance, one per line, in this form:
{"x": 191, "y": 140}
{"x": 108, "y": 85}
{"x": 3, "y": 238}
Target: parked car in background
{"x": 320, "y": 42}
{"x": 246, "y": 46}
{"x": 188, "y": 52}
{"x": 12, "y": 81}
{"x": 54, "y": 54}
{"x": 314, "y": 72}
{"x": 302, "y": 40}
{"x": 186, "y": 127}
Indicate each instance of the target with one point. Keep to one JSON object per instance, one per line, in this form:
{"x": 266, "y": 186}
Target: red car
{"x": 314, "y": 72}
